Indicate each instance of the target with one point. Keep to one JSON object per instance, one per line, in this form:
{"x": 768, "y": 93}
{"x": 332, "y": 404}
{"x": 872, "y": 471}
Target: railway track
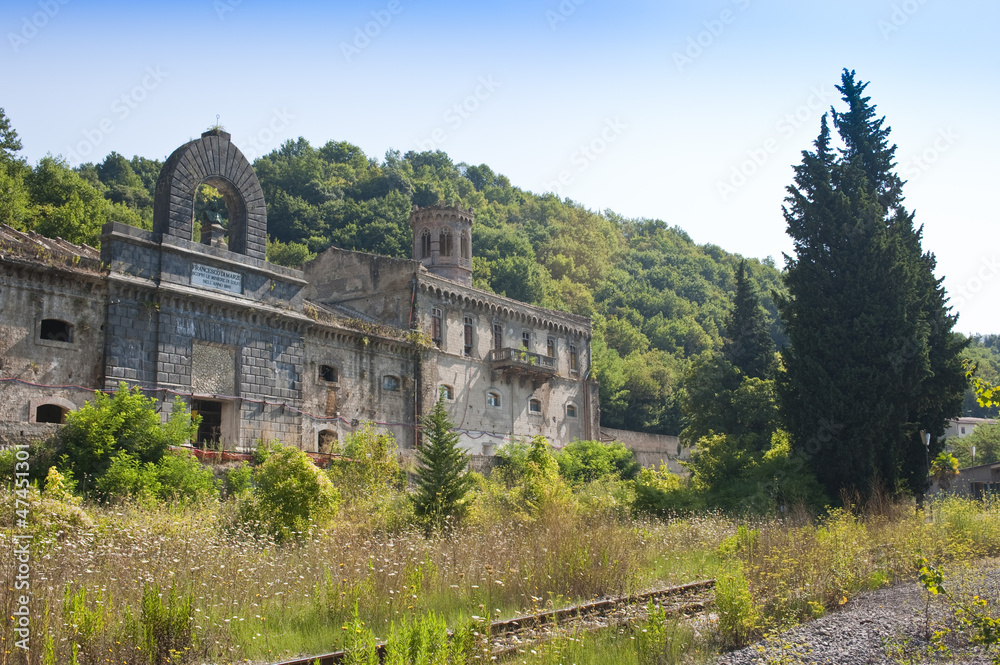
{"x": 510, "y": 635}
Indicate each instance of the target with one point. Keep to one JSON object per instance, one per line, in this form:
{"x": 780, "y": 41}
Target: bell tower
{"x": 442, "y": 241}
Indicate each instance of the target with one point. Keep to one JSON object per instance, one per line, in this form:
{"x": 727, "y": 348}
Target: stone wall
{"x": 650, "y": 449}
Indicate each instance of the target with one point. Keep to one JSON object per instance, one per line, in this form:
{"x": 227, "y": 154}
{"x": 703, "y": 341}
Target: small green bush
{"x": 237, "y": 481}
{"x": 660, "y": 492}
{"x": 126, "y": 477}
{"x": 182, "y": 477}
{"x": 739, "y": 618}
{"x": 291, "y": 493}
{"x": 584, "y": 461}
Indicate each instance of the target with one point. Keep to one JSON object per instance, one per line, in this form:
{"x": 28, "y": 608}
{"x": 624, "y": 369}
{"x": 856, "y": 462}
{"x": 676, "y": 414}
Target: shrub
{"x": 125, "y": 423}
{"x": 371, "y": 464}
{"x": 237, "y": 481}
{"x": 584, "y": 461}
{"x": 291, "y": 492}
{"x": 183, "y": 478}
{"x": 660, "y": 492}
{"x": 739, "y": 618}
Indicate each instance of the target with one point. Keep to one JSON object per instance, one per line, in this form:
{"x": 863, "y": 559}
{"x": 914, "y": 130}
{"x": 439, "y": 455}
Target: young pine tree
{"x": 442, "y": 483}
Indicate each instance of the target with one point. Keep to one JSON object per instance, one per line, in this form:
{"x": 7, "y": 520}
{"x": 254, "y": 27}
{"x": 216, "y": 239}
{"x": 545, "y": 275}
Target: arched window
{"x": 328, "y": 373}
{"x": 446, "y": 243}
{"x": 534, "y": 405}
{"x": 425, "y": 244}
{"x": 50, "y": 413}
{"x": 447, "y": 392}
{"x": 574, "y": 362}
{"x": 466, "y": 254}
{"x": 390, "y": 382}
{"x": 571, "y": 410}
{"x": 326, "y": 440}
{"x": 56, "y": 331}
{"x": 493, "y": 399}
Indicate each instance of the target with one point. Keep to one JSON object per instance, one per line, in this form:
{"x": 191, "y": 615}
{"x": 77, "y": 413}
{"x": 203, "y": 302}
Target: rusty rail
{"x": 550, "y": 617}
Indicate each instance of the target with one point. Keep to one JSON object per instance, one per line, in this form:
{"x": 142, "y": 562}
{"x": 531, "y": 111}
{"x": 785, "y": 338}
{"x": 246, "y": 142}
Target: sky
{"x": 692, "y": 113}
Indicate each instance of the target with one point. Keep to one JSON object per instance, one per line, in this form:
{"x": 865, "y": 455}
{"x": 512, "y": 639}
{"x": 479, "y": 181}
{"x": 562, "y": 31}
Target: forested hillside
{"x": 658, "y": 299}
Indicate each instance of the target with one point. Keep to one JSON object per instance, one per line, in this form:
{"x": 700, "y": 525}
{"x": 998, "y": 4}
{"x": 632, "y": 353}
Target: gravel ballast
{"x": 883, "y": 626}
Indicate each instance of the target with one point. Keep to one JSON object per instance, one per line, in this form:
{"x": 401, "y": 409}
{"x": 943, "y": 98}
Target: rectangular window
{"x": 436, "y": 326}
{"x": 447, "y": 392}
{"x": 390, "y": 382}
{"x": 534, "y": 406}
{"x": 573, "y": 360}
{"x": 571, "y": 410}
{"x": 328, "y": 373}
{"x": 526, "y": 339}
{"x": 497, "y": 336}
{"x": 550, "y": 348}
{"x": 468, "y": 335}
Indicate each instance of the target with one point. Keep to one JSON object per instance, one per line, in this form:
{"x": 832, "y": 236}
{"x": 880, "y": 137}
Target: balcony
{"x": 522, "y": 362}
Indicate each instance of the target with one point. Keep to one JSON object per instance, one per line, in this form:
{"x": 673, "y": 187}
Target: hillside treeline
{"x": 658, "y": 300}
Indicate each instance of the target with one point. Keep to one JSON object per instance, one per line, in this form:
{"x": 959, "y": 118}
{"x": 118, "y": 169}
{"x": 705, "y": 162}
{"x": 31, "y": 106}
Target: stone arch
{"x": 212, "y": 160}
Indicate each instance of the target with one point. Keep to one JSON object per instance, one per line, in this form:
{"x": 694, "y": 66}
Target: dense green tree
{"x": 872, "y": 360}
{"x": 584, "y": 461}
{"x": 9, "y": 141}
{"x": 985, "y": 438}
{"x": 748, "y": 344}
{"x": 442, "y": 481}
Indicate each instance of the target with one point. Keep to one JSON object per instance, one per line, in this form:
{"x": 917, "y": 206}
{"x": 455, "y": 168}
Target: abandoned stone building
{"x": 261, "y": 351}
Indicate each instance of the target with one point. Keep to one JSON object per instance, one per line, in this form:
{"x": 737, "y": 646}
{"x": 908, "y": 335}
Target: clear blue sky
{"x": 692, "y": 113}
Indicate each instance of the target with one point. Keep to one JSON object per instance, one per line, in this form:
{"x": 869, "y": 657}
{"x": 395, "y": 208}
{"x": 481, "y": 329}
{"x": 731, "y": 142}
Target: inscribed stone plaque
{"x": 216, "y": 278}
{"x": 213, "y": 369}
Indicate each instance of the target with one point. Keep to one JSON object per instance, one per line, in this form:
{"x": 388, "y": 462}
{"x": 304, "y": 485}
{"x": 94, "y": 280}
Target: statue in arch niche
{"x": 213, "y": 160}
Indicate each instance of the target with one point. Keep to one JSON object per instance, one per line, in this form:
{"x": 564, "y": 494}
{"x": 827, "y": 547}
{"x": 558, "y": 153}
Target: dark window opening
{"x": 526, "y": 339}
{"x": 573, "y": 360}
{"x": 436, "y": 326}
{"x": 210, "y": 428}
{"x": 493, "y": 399}
{"x": 56, "y": 330}
{"x": 425, "y": 245}
{"x": 550, "y": 348}
{"x": 446, "y": 243}
{"x": 535, "y": 406}
{"x": 571, "y": 410}
{"x": 465, "y": 246}
{"x": 326, "y": 440}
{"x": 50, "y": 413}
{"x": 328, "y": 373}
{"x": 497, "y": 336}
{"x": 447, "y": 392}
{"x": 468, "y": 335}
{"x": 390, "y": 382}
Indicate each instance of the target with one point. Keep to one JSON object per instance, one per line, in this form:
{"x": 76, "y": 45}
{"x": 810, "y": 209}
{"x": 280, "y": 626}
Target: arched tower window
{"x": 446, "y": 243}
{"x": 466, "y": 254}
{"x": 425, "y": 244}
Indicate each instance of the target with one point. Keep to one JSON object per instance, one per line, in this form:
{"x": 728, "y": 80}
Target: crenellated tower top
{"x": 442, "y": 241}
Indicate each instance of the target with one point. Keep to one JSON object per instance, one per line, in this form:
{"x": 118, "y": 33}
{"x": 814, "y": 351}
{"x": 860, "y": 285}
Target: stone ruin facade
{"x": 265, "y": 352}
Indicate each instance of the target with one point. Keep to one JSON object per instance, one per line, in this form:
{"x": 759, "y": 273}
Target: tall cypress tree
{"x": 872, "y": 359}
{"x": 441, "y": 479}
{"x": 748, "y": 345}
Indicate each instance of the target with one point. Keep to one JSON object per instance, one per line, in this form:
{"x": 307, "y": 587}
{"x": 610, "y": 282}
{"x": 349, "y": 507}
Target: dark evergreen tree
{"x": 442, "y": 482}
{"x": 872, "y": 359}
{"x": 748, "y": 345}
{"x": 9, "y": 142}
